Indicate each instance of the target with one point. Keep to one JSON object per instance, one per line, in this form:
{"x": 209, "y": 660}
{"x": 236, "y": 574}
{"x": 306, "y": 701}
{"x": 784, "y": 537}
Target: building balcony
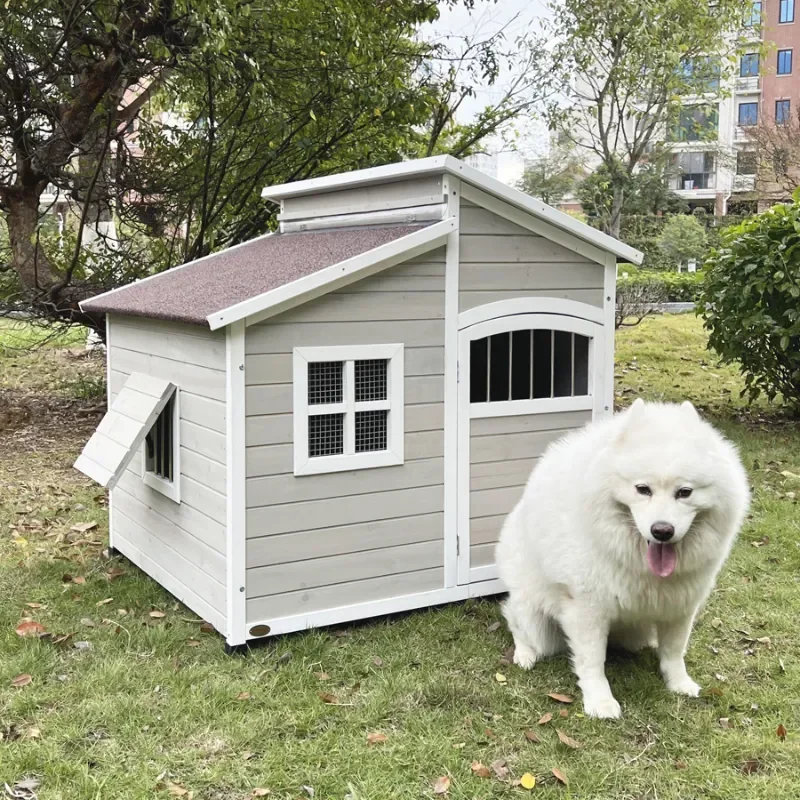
{"x": 748, "y": 85}
{"x": 742, "y": 133}
{"x": 744, "y": 183}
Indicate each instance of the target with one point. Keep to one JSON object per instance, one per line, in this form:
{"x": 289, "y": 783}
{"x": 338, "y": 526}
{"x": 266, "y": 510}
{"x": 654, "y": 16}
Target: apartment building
{"x": 715, "y": 153}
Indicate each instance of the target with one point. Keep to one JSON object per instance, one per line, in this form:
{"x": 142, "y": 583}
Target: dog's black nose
{"x": 662, "y": 531}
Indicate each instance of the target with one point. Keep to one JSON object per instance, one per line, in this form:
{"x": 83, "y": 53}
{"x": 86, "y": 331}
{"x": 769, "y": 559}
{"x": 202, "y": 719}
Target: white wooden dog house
{"x": 331, "y": 422}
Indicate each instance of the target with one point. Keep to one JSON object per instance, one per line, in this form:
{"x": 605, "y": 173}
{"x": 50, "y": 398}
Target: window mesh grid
{"x": 528, "y": 365}
{"x": 325, "y": 382}
{"x": 158, "y": 443}
{"x": 370, "y": 380}
{"x": 371, "y": 431}
{"x": 325, "y": 435}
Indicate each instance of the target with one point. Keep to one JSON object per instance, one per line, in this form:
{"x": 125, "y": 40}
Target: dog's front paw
{"x": 524, "y": 656}
{"x": 601, "y": 707}
{"x": 684, "y": 685}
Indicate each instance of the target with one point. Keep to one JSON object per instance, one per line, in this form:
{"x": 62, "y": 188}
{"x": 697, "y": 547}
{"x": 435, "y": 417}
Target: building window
{"x": 746, "y": 162}
{"x": 786, "y": 13}
{"x": 696, "y": 123}
{"x": 529, "y": 365}
{"x": 784, "y": 62}
{"x": 748, "y": 66}
{"x": 753, "y": 17}
{"x": 782, "y": 112}
{"x": 161, "y": 451}
{"x": 348, "y": 408}
{"x": 695, "y": 170}
{"x": 748, "y": 114}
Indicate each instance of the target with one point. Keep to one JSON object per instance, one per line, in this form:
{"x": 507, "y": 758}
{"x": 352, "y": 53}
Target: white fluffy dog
{"x": 620, "y": 533}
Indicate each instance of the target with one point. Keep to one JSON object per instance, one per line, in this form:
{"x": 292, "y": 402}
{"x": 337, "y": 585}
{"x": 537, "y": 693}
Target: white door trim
{"x": 550, "y": 315}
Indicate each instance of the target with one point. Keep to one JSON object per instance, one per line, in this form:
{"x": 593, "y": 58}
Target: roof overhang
{"x": 326, "y": 280}
{"x": 452, "y": 166}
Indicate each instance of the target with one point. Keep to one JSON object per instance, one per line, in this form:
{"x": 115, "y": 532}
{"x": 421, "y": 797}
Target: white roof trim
{"x": 452, "y": 166}
{"x": 325, "y": 280}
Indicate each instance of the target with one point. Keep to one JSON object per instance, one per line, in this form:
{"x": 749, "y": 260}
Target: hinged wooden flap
{"x": 123, "y": 428}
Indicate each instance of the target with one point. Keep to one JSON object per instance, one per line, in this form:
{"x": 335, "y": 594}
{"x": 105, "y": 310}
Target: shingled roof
{"x": 194, "y": 291}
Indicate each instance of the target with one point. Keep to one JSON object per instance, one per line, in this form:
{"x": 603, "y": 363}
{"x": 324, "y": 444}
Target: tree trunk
{"x": 615, "y": 217}
{"x": 30, "y": 262}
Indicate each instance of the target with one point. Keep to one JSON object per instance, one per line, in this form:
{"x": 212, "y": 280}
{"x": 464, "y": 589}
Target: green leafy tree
{"x": 626, "y": 67}
{"x": 552, "y": 177}
{"x": 684, "y": 238}
{"x": 751, "y": 302}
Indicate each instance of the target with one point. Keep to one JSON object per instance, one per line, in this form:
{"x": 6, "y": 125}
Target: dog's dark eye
{"x": 683, "y": 493}
{"x": 644, "y": 489}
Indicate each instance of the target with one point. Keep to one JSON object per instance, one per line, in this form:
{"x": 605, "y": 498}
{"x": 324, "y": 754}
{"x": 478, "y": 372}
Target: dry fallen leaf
{"x": 716, "y": 622}
{"x": 716, "y": 691}
{"x": 21, "y": 680}
{"x": 493, "y": 627}
{"x": 546, "y": 718}
{"x": 157, "y": 614}
{"x": 442, "y": 785}
{"x": 560, "y": 698}
{"x": 563, "y": 713}
{"x": 481, "y": 770}
{"x": 750, "y": 766}
{"x": 83, "y": 527}
{"x": 29, "y": 628}
{"x": 322, "y": 676}
{"x": 376, "y": 737}
{"x": 32, "y": 733}
{"x": 560, "y": 776}
{"x": 329, "y": 698}
{"x": 35, "y": 605}
{"x": 527, "y": 781}
{"x": 500, "y": 678}
{"x": 193, "y": 643}
{"x": 79, "y": 579}
{"x": 206, "y": 627}
{"x": 105, "y": 602}
{"x": 724, "y": 722}
{"x": 176, "y": 790}
{"x": 243, "y": 696}
{"x": 500, "y": 769}
{"x": 259, "y": 792}
{"x": 781, "y": 732}
{"x": 531, "y": 736}
{"x": 377, "y": 661}
{"x": 114, "y": 573}
{"x": 567, "y": 740}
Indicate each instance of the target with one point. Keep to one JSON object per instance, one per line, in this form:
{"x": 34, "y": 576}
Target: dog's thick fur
{"x": 574, "y": 551}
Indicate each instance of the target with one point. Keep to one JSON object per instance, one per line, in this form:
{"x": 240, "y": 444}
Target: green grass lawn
{"x": 132, "y": 705}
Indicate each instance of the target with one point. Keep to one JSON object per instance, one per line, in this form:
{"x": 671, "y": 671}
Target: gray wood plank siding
{"x": 322, "y": 541}
{"x": 419, "y": 191}
{"x": 183, "y": 546}
{"x": 502, "y": 261}
{"x": 503, "y": 452}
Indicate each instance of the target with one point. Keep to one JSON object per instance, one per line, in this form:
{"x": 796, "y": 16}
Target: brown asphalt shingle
{"x": 191, "y": 293}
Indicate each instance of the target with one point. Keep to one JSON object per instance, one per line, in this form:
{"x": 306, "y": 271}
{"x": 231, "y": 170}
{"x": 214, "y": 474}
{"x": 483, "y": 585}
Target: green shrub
{"x": 680, "y": 287}
{"x": 751, "y": 302}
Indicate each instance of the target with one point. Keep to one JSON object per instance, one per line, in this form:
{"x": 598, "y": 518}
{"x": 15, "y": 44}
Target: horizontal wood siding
{"x": 421, "y": 191}
{"x": 502, "y": 261}
{"x": 182, "y": 545}
{"x": 503, "y": 453}
{"x": 320, "y": 541}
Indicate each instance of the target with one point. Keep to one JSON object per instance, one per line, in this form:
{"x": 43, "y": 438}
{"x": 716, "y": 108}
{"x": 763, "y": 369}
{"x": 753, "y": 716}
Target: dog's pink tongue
{"x": 661, "y": 559}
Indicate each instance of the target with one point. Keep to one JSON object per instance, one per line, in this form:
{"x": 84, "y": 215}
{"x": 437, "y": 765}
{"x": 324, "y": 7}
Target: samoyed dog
{"x": 620, "y": 534}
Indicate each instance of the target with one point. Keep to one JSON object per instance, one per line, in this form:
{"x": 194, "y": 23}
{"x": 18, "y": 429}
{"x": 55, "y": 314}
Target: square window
{"x": 371, "y": 431}
{"x": 748, "y": 66}
{"x": 371, "y": 380}
{"x": 161, "y": 451}
{"x": 753, "y": 16}
{"x": 786, "y": 12}
{"x": 325, "y": 382}
{"x": 782, "y": 112}
{"x": 784, "y": 62}
{"x": 748, "y": 114}
{"x": 348, "y": 408}
{"x": 746, "y": 163}
{"x": 325, "y": 435}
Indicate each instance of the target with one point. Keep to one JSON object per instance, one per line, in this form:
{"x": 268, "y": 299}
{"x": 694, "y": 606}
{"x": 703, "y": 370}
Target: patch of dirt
{"x": 40, "y": 423}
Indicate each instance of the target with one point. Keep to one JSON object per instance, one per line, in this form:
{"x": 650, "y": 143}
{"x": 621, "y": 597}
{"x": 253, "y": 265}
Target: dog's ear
{"x": 630, "y": 416}
{"x": 689, "y": 411}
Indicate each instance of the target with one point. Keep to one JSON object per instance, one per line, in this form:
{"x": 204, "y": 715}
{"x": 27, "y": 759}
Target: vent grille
{"x": 325, "y": 435}
{"x": 371, "y": 431}
{"x": 370, "y": 380}
{"x": 325, "y": 382}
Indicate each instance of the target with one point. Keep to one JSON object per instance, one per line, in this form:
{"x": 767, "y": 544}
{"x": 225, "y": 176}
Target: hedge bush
{"x": 751, "y": 302}
{"x": 680, "y": 287}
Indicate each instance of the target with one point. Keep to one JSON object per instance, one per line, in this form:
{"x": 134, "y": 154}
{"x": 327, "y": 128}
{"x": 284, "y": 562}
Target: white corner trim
{"x": 108, "y": 405}
{"x": 531, "y": 305}
{"x": 394, "y": 216}
{"x": 394, "y": 404}
{"x": 468, "y": 175}
{"x": 609, "y": 305}
{"x": 452, "y": 189}
{"x": 326, "y": 280}
{"x": 236, "y": 516}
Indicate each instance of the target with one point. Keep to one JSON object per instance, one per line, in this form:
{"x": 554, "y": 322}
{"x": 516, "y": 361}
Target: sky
{"x": 515, "y": 16}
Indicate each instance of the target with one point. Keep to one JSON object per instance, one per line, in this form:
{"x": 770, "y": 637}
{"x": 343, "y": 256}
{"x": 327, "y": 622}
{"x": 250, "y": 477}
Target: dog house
{"x": 331, "y": 422}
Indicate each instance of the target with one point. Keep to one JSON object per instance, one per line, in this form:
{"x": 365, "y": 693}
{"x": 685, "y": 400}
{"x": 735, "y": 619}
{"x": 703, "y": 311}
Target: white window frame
{"x": 394, "y": 404}
{"x": 170, "y": 489}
